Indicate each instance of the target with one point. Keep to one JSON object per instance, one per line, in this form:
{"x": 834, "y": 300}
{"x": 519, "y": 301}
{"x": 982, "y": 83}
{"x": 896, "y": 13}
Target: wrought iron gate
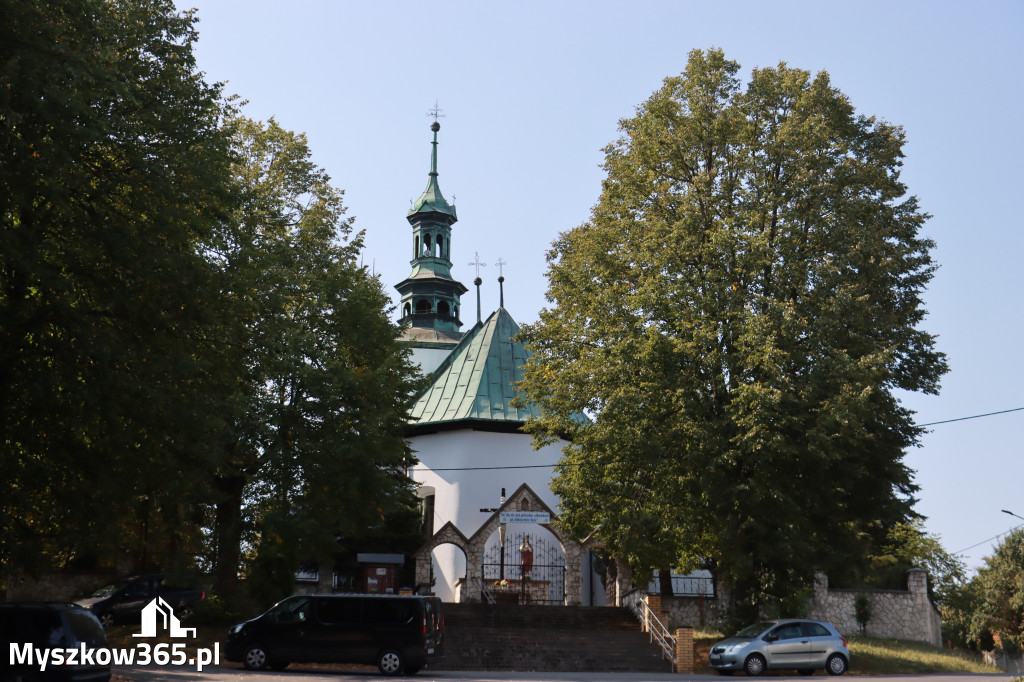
{"x": 544, "y": 583}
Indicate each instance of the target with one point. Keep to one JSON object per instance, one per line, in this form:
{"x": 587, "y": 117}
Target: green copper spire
{"x": 430, "y": 296}
{"x": 432, "y": 201}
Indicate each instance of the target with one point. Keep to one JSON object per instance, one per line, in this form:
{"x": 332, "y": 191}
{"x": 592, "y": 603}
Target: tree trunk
{"x": 228, "y": 535}
{"x": 665, "y": 582}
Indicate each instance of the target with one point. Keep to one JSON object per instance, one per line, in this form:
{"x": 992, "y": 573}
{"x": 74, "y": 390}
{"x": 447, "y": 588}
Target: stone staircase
{"x": 547, "y": 639}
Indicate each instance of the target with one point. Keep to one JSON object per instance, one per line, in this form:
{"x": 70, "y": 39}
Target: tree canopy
{"x": 113, "y": 166}
{"x": 313, "y": 446}
{"x": 736, "y": 318}
{"x": 195, "y": 364}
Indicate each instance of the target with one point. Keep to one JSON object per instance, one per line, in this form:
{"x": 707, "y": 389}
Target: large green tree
{"x": 737, "y": 317}
{"x": 1000, "y": 588}
{"x": 113, "y": 166}
{"x": 313, "y": 447}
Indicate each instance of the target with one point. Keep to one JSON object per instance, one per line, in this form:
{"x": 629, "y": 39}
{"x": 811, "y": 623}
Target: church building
{"x": 466, "y": 432}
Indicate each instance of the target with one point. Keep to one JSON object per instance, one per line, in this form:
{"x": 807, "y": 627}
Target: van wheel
{"x": 412, "y": 669}
{"x": 255, "y": 657}
{"x": 390, "y": 663}
{"x": 106, "y": 619}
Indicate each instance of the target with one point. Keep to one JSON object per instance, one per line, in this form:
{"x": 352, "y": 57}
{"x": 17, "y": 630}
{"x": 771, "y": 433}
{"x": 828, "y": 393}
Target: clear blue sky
{"x": 532, "y": 91}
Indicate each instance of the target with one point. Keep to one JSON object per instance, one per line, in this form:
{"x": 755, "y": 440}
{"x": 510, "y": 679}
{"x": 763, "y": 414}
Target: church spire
{"x": 430, "y": 296}
{"x": 432, "y": 201}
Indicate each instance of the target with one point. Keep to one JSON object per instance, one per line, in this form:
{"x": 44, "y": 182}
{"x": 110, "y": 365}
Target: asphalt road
{"x": 238, "y": 674}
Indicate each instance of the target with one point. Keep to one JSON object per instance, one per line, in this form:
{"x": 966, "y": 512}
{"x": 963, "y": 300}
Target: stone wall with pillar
{"x": 895, "y": 614}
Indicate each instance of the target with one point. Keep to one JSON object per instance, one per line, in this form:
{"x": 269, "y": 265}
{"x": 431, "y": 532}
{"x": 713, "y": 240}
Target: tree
{"x": 1000, "y": 588}
{"x": 736, "y": 318}
{"x": 909, "y": 546}
{"x": 113, "y": 166}
{"x": 313, "y": 447}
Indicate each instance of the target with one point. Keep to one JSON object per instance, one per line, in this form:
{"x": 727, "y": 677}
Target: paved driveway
{"x": 238, "y": 674}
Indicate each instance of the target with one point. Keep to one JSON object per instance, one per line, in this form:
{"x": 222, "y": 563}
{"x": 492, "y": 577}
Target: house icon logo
{"x": 159, "y": 612}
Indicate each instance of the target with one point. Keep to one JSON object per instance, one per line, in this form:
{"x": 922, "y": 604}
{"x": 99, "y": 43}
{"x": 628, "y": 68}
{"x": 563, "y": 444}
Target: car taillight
{"x": 843, "y": 640}
{"x": 202, "y": 596}
{"x": 424, "y": 623}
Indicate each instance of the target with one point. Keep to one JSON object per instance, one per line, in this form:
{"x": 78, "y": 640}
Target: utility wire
{"x": 995, "y": 537}
{"x": 548, "y": 466}
{"x": 977, "y": 416}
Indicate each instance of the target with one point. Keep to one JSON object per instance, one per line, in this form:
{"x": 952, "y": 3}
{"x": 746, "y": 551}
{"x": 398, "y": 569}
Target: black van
{"x": 400, "y": 634}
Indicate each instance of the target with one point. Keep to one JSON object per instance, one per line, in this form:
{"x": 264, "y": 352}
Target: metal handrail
{"x": 655, "y": 628}
{"x": 485, "y": 592}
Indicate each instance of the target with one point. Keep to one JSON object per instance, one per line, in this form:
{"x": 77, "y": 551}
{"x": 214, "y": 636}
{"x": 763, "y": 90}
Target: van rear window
{"x": 388, "y": 611}
{"x": 86, "y": 629}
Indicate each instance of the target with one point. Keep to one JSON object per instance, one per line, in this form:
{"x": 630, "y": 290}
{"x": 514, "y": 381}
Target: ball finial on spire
{"x": 435, "y": 126}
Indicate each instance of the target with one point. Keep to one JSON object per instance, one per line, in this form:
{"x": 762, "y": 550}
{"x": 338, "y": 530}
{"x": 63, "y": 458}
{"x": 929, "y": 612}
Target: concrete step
{"x": 547, "y": 639}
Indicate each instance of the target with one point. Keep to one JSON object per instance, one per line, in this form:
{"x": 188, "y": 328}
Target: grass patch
{"x": 872, "y": 656}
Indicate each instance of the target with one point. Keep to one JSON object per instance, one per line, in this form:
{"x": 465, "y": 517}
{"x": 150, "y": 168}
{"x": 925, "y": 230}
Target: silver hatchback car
{"x": 803, "y": 645}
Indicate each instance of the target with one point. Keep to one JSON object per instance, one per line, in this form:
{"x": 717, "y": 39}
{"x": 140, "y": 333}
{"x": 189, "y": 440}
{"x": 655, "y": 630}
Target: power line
{"x": 522, "y": 466}
{"x": 549, "y": 466}
{"x": 976, "y": 416}
{"x": 995, "y": 537}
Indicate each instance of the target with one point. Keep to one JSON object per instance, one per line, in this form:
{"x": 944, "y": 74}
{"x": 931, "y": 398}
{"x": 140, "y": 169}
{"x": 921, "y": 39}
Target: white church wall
{"x": 455, "y": 464}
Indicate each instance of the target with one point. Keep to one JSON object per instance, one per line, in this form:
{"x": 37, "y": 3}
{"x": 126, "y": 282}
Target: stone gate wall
{"x": 896, "y": 614}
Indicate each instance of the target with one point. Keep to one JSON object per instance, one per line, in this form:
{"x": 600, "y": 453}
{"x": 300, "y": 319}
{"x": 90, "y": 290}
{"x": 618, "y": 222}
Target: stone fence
{"x": 66, "y": 586}
{"x": 895, "y": 614}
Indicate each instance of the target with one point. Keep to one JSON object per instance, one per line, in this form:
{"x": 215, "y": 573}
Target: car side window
{"x": 136, "y": 590}
{"x": 292, "y": 611}
{"x": 788, "y": 631}
{"x": 338, "y": 610}
{"x": 816, "y": 630}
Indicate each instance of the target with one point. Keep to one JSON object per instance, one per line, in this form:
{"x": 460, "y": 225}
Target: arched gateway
{"x": 523, "y": 499}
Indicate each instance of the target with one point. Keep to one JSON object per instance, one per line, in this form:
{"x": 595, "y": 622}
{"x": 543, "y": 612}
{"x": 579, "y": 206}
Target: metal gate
{"x": 544, "y": 581}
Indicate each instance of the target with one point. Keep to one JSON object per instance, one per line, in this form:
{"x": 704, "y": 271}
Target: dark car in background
{"x": 123, "y": 602}
{"x": 398, "y": 633}
{"x": 36, "y": 628}
{"x": 802, "y": 645}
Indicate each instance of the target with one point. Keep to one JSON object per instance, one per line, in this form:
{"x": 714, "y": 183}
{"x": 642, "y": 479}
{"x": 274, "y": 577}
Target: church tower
{"x": 430, "y": 297}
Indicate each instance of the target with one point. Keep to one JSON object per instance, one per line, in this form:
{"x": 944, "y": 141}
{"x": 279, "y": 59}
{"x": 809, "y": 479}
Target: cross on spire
{"x": 476, "y": 262}
{"x": 500, "y": 263}
{"x": 435, "y": 112}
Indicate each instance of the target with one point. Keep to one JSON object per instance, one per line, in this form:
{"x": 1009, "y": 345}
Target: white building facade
{"x": 465, "y": 431}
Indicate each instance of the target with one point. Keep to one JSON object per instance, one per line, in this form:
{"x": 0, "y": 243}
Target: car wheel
{"x": 106, "y": 619}
{"x": 412, "y": 669}
{"x": 836, "y": 664}
{"x": 754, "y": 665}
{"x": 256, "y": 657}
{"x": 390, "y": 662}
